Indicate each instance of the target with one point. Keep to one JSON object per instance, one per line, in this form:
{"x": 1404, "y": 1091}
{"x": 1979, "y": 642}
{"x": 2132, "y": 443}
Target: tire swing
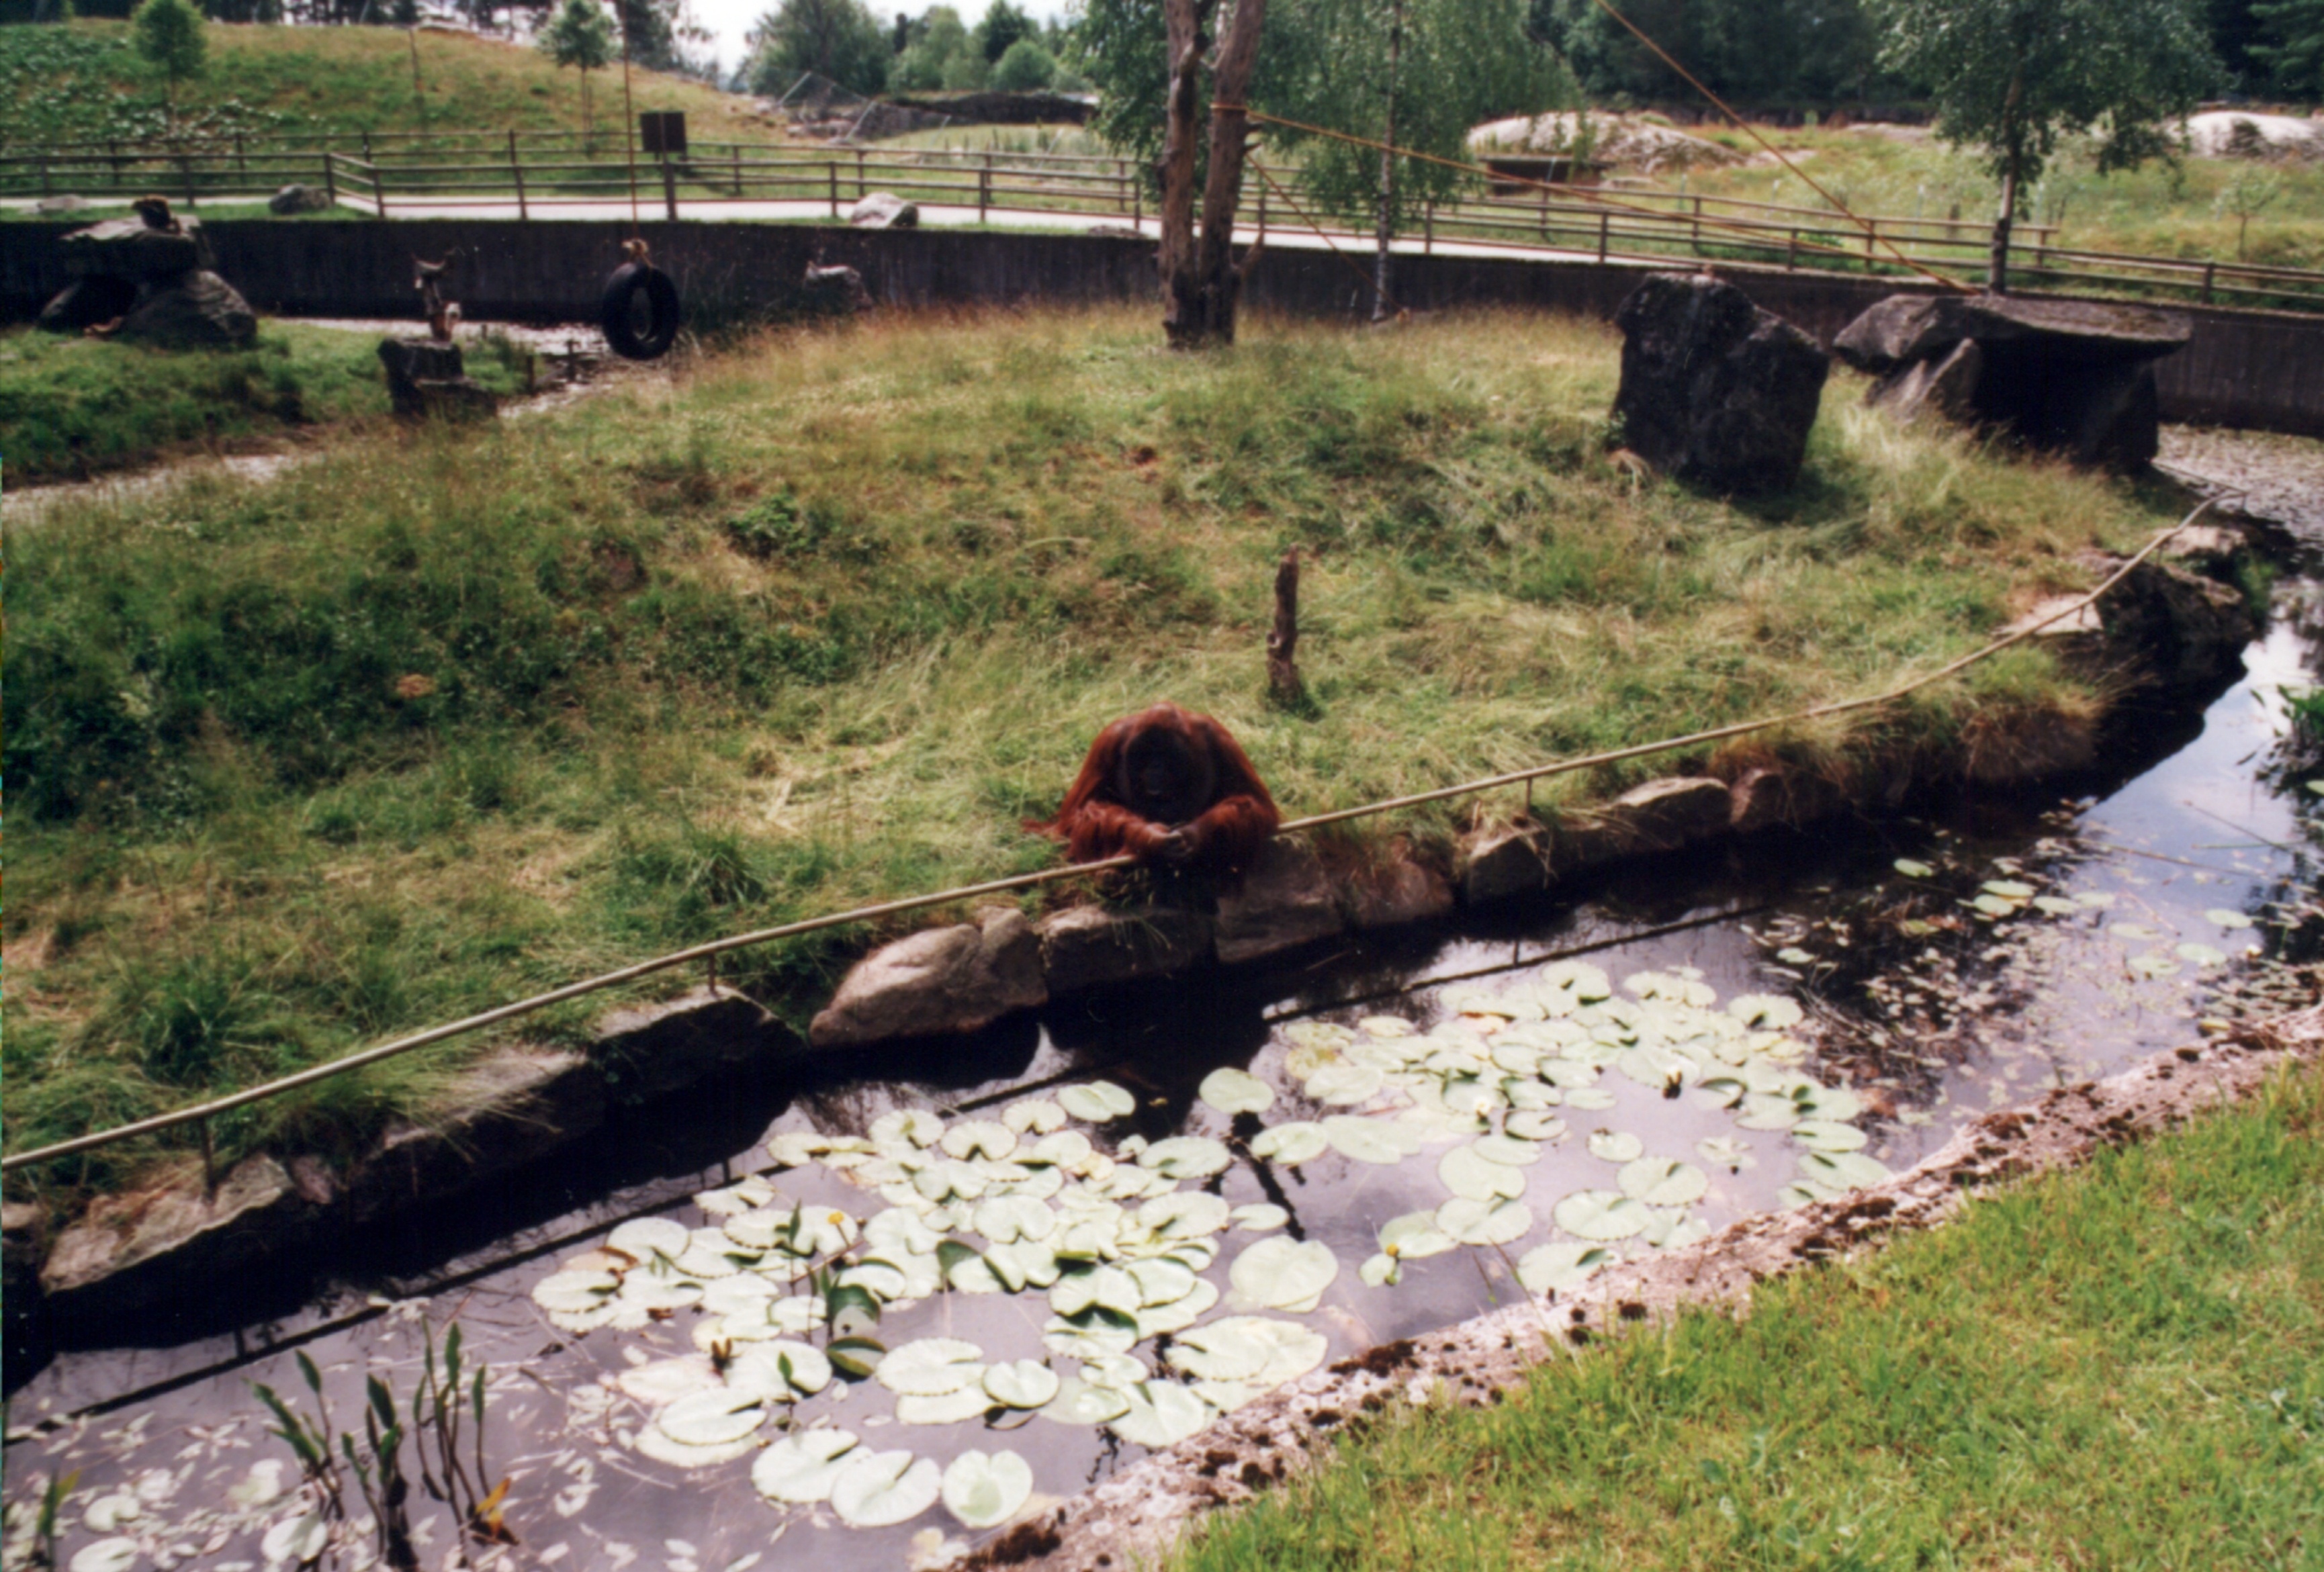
{"x": 617, "y": 312}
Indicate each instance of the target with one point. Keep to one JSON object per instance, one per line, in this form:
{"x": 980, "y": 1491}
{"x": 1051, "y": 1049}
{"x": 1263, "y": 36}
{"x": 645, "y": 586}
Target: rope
{"x": 1584, "y": 193}
{"x": 1870, "y": 232}
{"x": 1048, "y": 875}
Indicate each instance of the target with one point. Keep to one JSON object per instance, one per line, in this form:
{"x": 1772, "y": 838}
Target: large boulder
{"x": 130, "y": 248}
{"x": 832, "y": 292}
{"x": 1088, "y": 947}
{"x": 884, "y": 210}
{"x": 937, "y": 982}
{"x": 86, "y": 302}
{"x": 293, "y": 199}
{"x": 1715, "y": 390}
{"x": 197, "y": 308}
{"x": 1285, "y": 900}
{"x": 129, "y": 1250}
{"x": 2075, "y": 377}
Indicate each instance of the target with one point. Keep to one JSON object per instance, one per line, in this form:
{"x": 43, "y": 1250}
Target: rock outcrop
{"x": 1287, "y": 900}
{"x": 884, "y": 210}
{"x": 1715, "y": 390}
{"x": 294, "y": 200}
{"x": 2074, "y": 377}
{"x": 937, "y": 982}
{"x": 1087, "y": 946}
{"x": 647, "y": 1050}
{"x": 150, "y": 284}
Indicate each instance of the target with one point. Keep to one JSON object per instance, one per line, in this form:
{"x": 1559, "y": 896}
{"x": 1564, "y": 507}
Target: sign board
{"x": 663, "y": 133}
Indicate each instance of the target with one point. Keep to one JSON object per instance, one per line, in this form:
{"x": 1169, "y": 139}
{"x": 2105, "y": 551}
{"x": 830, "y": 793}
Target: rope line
{"x": 1048, "y": 875}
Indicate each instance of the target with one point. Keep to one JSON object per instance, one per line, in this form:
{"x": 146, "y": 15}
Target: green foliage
{"x": 580, "y": 35}
{"x": 940, "y": 37}
{"x": 2290, "y": 45}
{"x": 2012, "y": 77}
{"x": 170, "y": 37}
{"x": 1756, "y": 53}
{"x": 837, "y": 38}
{"x": 1026, "y": 67}
{"x": 1000, "y": 30}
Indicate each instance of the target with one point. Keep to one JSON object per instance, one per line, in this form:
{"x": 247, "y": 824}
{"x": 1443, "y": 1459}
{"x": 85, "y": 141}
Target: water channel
{"x": 1912, "y": 974}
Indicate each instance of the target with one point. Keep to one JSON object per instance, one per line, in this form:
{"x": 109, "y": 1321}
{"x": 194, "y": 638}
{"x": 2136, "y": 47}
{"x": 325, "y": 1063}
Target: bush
{"x": 1026, "y": 67}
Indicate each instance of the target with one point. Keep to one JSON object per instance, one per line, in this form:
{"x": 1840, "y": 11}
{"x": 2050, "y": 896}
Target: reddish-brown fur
{"x": 1096, "y": 822}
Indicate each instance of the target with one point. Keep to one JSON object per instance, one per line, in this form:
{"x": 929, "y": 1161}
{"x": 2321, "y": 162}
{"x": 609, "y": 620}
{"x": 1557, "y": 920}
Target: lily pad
{"x": 1600, "y": 1214}
{"x": 1380, "y": 1271}
{"x": 1413, "y": 1236}
{"x": 1259, "y": 1217}
{"x": 1301, "y": 1141}
{"x": 1561, "y": 1267}
{"x": 644, "y": 1239}
{"x": 878, "y": 1489}
{"x": 1097, "y": 1103}
{"x": 1236, "y": 1091}
{"x": 801, "y": 1467}
{"x": 1478, "y": 1222}
{"x": 1726, "y": 1151}
{"x": 117, "y": 1553}
{"x": 2008, "y": 889}
{"x": 1837, "y": 1172}
{"x": 1106, "y": 1287}
{"x": 1161, "y": 1414}
{"x": 1770, "y": 1012}
{"x": 2154, "y": 963}
{"x": 985, "y": 1490}
{"x": 971, "y": 1139}
{"x": 1023, "y": 1384}
{"x": 953, "y": 1408}
{"x": 2201, "y": 955}
{"x": 1185, "y": 1215}
{"x": 1081, "y": 1402}
{"x": 1466, "y": 1173}
{"x": 779, "y": 1370}
{"x": 931, "y": 1367}
{"x": 1664, "y": 1182}
{"x": 2219, "y": 917}
{"x": 711, "y": 1419}
{"x": 1829, "y": 1135}
{"x": 1369, "y": 1140}
{"x": 1183, "y": 1157}
{"x": 1534, "y": 1127}
{"x": 1615, "y": 1146}
{"x": 1284, "y": 1274}
{"x": 1764, "y": 1110}
{"x": 1589, "y": 1099}
{"x": 1161, "y": 1281}
{"x": 2056, "y": 906}
{"x": 1344, "y": 1085}
{"x": 1910, "y": 868}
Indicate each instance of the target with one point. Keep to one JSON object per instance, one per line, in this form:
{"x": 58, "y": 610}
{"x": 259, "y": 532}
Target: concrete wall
{"x": 2242, "y": 368}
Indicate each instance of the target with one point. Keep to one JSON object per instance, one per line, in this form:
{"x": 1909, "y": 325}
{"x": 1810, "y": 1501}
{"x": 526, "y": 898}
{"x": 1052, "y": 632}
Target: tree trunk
{"x": 1283, "y": 684}
{"x": 1997, "y": 270}
{"x": 1201, "y": 284}
{"x": 1387, "y": 166}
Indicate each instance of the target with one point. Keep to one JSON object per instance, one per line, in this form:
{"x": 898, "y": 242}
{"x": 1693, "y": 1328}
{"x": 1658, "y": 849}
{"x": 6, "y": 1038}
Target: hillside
{"x": 83, "y": 81}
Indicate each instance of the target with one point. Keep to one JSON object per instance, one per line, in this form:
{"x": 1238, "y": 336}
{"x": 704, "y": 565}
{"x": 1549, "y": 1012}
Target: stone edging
{"x": 1133, "y": 1519}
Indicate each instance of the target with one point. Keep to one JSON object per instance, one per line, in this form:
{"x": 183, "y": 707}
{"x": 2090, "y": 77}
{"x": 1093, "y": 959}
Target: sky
{"x": 729, "y": 19}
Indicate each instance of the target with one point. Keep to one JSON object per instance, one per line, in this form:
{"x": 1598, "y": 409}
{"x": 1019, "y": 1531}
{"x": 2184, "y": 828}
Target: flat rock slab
{"x": 128, "y": 1251}
{"x": 647, "y": 1050}
{"x": 1505, "y": 860}
{"x": 127, "y": 248}
{"x": 1912, "y": 327}
{"x": 1715, "y": 390}
{"x": 1089, "y": 947}
{"x": 937, "y": 982}
{"x": 1399, "y": 890}
{"x": 1287, "y": 900}
{"x": 1765, "y": 799}
{"x": 512, "y": 1108}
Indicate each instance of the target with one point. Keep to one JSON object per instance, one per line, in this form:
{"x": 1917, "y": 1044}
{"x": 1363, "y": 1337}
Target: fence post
{"x": 516, "y": 171}
{"x": 186, "y": 168}
{"x": 2209, "y": 269}
{"x": 1791, "y": 250}
{"x": 668, "y": 188}
{"x": 378, "y": 191}
{"x": 44, "y": 176}
{"x": 1545, "y": 212}
{"x": 734, "y": 152}
{"x": 1428, "y": 229}
{"x": 1604, "y": 221}
{"x": 984, "y": 188}
{"x": 1137, "y": 204}
{"x": 832, "y": 170}
{"x": 241, "y": 164}
{"x": 331, "y": 178}
{"x": 1262, "y": 210}
{"x": 366, "y": 144}
{"x": 860, "y": 192}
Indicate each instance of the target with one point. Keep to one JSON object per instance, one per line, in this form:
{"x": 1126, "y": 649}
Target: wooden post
{"x": 984, "y": 187}
{"x": 209, "y": 1160}
{"x": 734, "y": 152}
{"x": 241, "y": 164}
{"x": 1262, "y": 211}
{"x": 1283, "y": 684}
{"x": 378, "y": 192}
{"x": 1428, "y": 229}
{"x": 1137, "y": 204}
{"x": 2209, "y": 269}
{"x": 44, "y": 176}
{"x": 668, "y": 188}
{"x": 516, "y": 171}
{"x": 1791, "y": 250}
{"x": 860, "y": 192}
{"x": 831, "y": 172}
{"x": 331, "y": 177}
{"x": 1605, "y": 221}
{"x": 186, "y": 169}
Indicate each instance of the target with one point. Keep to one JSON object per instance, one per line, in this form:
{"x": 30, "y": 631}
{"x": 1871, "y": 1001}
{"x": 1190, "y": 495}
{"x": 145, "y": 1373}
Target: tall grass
{"x": 447, "y": 715}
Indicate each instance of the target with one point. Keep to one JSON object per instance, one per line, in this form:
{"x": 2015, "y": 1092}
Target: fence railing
{"x": 566, "y": 174}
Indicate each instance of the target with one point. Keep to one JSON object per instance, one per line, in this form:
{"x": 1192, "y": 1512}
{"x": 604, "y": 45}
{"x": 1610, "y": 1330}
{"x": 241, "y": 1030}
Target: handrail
{"x": 202, "y": 1112}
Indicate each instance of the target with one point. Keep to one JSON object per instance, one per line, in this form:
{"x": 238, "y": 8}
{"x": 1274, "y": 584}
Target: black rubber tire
{"x": 661, "y": 300}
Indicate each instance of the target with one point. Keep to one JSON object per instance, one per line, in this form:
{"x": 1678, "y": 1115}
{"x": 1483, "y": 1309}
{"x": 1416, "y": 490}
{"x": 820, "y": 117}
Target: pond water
{"x": 1615, "y": 1072}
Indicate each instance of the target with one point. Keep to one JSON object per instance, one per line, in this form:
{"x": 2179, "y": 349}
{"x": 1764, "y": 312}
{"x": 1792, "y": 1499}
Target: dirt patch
{"x": 1136, "y": 1516}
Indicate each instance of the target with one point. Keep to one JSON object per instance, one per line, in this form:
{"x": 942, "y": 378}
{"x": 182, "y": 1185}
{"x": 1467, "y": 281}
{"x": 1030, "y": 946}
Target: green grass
{"x": 444, "y": 717}
{"x": 72, "y": 406}
{"x": 84, "y": 82}
{"x": 2121, "y": 1367}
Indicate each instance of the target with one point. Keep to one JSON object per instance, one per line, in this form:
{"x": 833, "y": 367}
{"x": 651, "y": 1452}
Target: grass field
{"x": 438, "y": 719}
{"x": 2121, "y": 1367}
{"x": 84, "y": 82}
{"x": 73, "y": 407}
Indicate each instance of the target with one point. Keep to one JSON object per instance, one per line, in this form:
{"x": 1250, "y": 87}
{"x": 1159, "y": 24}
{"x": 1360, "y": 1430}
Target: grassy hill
{"x": 84, "y": 81}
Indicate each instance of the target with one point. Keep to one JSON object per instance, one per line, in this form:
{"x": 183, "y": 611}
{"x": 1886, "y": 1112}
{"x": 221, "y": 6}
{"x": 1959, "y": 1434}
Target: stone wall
{"x": 2264, "y": 370}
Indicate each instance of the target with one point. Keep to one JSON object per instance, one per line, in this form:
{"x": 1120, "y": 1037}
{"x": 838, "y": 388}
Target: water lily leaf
{"x": 1079, "y": 1402}
{"x": 1161, "y": 1414}
{"x": 1284, "y": 1274}
{"x": 1910, "y": 868}
{"x": 1839, "y": 1171}
{"x": 1615, "y": 1146}
{"x": 987, "y": 1138}
{"x": 1187, "y": 1215}
{"x": 1183, "y": 1157}
{"x": 2134, "y": 933}
{"x": 1600, "y": 1214}
{"x": 1381, "y": 1271}
{"x": 1387, "y": 1027}
{"x": 1160, "y": 1280}
{"x": 1236, "y": 1091}
{"x": 1097, "y": 1103}
{"x": 1368, "y": 1140}
{"x": 1301, "y": 1141}
{"x": 1995, "y": 905}
{"x": 2154, "y": 963}
{"x": 1764, "y": 1111}
{"x": 1292, "y": 1350}
{"x": 1024, "y": 1383}
{"x": 1726, "y": 1151}
{"x": 854, "y": 1357}
{"x": 931, "y": 1367}
{"x": 1003, "y": 1219}
{"x": 711, "y": 1419}
{"x": 953, "y": 1408}
{"x": 1415, "y": 1236}
{"x": 1793, "y": 955}
{"x": 575, "y": 1292}
{"x": 2202, "y": 954}
{"x": 1109, "y": 1287}
{"x": 801, "y": 1467}
{"x": 1672, "y": 1230}
{"x": 1828, "y": 1136}
{"x": 1663, "y": 1182}
{"x": 1826, "y": 1102}
{"x": 295, "y": 1539}
{"x": 1259, "y": 1217}
{"x": 2008, "y": 889}
{"x": 647, "y": 1238}
{"x": 878, "y": 1489}
{"x": 1221, "y": 1350}
{"x": 1534, "y": 1127}
{"x": 2096, "y": 900}
{"x": 918, "y": 1126}
{"x": 119, "y": 1553}
{"x": 1033, "y": 1117}
{"x": 2056, "y": 906}
{"x": 1770, "y": 1012}
{"x": 985, "y": 1490}
{"x": 1589, "y": 1099}
{"x": 779, "y": 1370}
{"x": 2219, "y": 917}
{"x": 1561, "y": 1267}
{"x": 1092, "y": 1332}
{"x": 1344, "y": 1085}
{"x": 1478, "y": 1222}
{"x": 1465, "y": 1173}
{"x": 1507, "y": 1150}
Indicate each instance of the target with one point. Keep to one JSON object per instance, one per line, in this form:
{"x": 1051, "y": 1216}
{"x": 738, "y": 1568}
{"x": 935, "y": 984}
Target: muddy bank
{"x": 1135, "y": 1517}
{"x": 2178, "y": 629}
